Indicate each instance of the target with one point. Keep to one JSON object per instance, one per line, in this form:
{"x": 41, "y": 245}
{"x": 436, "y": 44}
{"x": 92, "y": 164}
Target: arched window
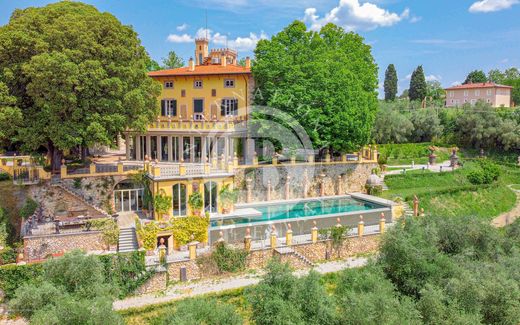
{"x": 179, "y": 200}
{"x": 210, "y": 197}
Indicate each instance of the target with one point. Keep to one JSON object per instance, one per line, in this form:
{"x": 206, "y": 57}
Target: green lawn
{"x": 451, "y": 194}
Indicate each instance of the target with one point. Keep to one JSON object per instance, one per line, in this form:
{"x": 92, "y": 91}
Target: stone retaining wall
{"x": 39, "y": 247}
{"x": 352, "y": 177}
{"x": 258, "y": 259}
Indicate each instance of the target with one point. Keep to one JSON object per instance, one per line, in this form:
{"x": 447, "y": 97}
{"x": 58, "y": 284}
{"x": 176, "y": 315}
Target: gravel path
{"x": 509, "y": 217}
{"x": 202, "y": 287}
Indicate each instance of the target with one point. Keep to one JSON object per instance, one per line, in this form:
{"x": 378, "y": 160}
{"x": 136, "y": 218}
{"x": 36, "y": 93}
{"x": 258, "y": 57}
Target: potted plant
{"x": 141, "y": 178}
{"x": 162, "y": 204}
{"x": 195, "y": 202}
{"x": 382, "y": 160}
{"x": 228, "y": 198}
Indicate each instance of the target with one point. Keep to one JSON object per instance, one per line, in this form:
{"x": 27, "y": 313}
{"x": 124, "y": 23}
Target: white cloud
{"x": 433, "y": 77}
{"x": 184, "y": 38}
{"x": 456, "y": 83}
{"x": 352, "y": 15}
{"x": 415, "y": 19}
{"x": 492, "y": 5}
{"x": 182, "y": 27}
{"x": 247, "y": 43}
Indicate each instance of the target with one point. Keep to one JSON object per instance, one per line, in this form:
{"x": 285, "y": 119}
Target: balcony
{"x": 198, "y": 123}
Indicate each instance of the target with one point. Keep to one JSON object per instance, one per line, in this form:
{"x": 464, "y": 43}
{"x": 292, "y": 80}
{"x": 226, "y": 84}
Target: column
{"x": 226, "y": 147}
{"x": 192, "y": 149}
{"x": 149, "y": 147}
{"x": 203, "y": 149}
{"x": 138, "y": 147}
{"x": 159, "y": 148}
{"x": 170, "y": 148}
{"x": 127, "y": 146}
{"x": 181, "y": 148}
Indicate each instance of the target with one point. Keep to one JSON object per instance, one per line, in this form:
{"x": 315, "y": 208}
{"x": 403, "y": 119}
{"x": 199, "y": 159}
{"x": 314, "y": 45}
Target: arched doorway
{"x": 179, "y": 200}
{"x": 128, "y": 196}
{"x": 210, "y": 197}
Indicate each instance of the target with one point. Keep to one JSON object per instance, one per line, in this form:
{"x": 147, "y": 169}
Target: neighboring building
{"x": 489, "y": 92}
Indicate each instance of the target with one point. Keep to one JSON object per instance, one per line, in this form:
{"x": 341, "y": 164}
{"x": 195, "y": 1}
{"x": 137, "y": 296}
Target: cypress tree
{"x": 418, "y": 84}
{"x": 390, "y": 83}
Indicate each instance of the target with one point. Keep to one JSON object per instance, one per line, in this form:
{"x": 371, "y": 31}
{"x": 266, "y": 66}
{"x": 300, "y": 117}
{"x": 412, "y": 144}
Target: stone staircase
{"x": 80, "y": 198}
{"x": 408, "y": 211}
{"x": 286, "y": 250}
{"x": 127, "y": 240}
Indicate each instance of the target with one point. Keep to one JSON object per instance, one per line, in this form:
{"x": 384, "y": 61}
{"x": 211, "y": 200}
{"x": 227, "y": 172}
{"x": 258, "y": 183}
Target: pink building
{"x": 489, "y": 92}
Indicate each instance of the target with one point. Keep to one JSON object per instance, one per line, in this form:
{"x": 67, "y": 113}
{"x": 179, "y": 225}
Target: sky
{"x": 448, "y": 37}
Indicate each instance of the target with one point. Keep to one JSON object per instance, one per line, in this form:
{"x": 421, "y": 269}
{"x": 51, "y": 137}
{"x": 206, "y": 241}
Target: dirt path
{"x": 509, "y": 217}
{"x": 192, "y": 289}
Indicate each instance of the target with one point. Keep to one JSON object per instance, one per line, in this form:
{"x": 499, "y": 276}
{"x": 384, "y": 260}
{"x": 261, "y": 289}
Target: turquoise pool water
{"x": 308, "y": 208}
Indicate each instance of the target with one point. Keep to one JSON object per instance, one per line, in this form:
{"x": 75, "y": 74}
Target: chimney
{"x": 191, "y": 65}
{"x": 223, "y": 60}
{"x": 248, "y": 62}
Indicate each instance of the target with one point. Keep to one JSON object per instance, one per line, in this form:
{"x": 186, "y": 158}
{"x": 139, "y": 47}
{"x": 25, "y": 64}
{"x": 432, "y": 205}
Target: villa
{"x": 203, "y": 143}
{"x": 494, "y": 94}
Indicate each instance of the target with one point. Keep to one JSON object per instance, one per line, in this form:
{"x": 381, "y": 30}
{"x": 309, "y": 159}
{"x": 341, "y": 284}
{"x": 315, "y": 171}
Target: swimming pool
{"x": 300, "y": 214}
{"x": 298, "y": 209}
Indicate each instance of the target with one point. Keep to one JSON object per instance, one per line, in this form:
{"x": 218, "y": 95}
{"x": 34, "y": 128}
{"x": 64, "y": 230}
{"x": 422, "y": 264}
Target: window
{"x": 465, "y": 93}
{"x": 179, "y": 200}
{"x": 452, "y": 93}
{"x": 168, "y": 84}
{"x": 183, "y": 92}
{"x": 168, "y": 107}
{"x": 477, "y": 92}
{"x": 229, "y": 83}
{"x": 198, "y": 109}
{"x": 489, "y": 92}
{"x": 489, "y": 101}
{"x": 213, "y": 92}
{"x": 473, "y": 101}
{"x": 229, "y": 106}
{"x": 197, "y": 84}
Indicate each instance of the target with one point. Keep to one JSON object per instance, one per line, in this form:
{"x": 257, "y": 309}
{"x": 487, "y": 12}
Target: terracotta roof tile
{"x": 478, "y": 85}
{"x": 210, "y": 69}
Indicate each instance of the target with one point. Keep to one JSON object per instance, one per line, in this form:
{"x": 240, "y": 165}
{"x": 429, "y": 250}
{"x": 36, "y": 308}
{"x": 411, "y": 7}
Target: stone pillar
{"x": 338, "y": 222}
{"x": 314, "y": 233}
{"x": 192, "y": 248}
{"x": 120, "y": 168}
{"x": 268, "y": 190}
{"x": 249, "y": 187}
{"x": 305, "y": 184}
{"x": 63, "y": 168}
{"x": 273, "y": 239}
{"x": 255, "y": 159}
{"x": 226, "y": 146}
{"x": 274, "y": 160}
{"x": 361, "y": 226}
{"x": 138, "y": 148}
{"x": 148, "y": 146}
{"x": 288, "y": 235}
{"x": 415, "y": 206}
{"x": 170, "y": 148}
{"x": 203, "y": 156}
{"x": 327, "y": 157}
{"x": 422, "y": 212}
{"x": 288, "y": 188}
{"x": 322, "y": 184}
{"x": 127, "y": 146}
{"x": 159, "y": 148}
{"x": 192, "y": 149}
{"x": 92, "y": 168}
{"x": 310, "y": 158}
{"x": 293, "y": 160}
{"x": 247, "y": 240}
{"x": 223, "y": 162}
{"x": 235, "y": 160}
{"x": 344, "y": 157}
{"x": 340, "y": 185}
{"x": 382, "y": 222}
{"x": 182, "y": 168}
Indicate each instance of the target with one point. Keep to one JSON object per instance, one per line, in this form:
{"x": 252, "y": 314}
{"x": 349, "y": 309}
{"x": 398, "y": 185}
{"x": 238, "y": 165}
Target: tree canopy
{"x": 510, "y": 77}
{"x": 326, "y": 80}
{"x": 390, "y": 83}
{"x": 172, "y": 61}
{"x": 78, "y": 76}
{"x": 418, "y": 87}
{"x": 476, "y": 76}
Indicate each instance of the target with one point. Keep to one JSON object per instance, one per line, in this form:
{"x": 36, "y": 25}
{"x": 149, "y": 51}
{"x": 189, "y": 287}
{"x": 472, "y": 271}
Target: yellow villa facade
{"x": 201, "y": 130}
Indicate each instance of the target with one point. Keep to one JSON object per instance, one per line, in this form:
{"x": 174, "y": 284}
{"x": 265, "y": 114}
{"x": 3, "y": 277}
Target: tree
{"x": 326, "y": 80}
{"x": 10, "y": 116}
{"x": 71, "y": 290}
{"x": 78, "y": 75}
{"x": 426, "y": 125}
{"x": 476, "y": 76}
{"x": 510, "y": 77}
{"x": 391, "y": 127}
{"x": 434, "y": 90}
{"x": 418, "y": 88}
{"x": 152, "y": 65}
{"x": 390, "y": 83}
{"x": 172, "y": 61}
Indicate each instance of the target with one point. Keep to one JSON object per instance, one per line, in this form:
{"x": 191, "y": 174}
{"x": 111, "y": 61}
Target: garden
{"x": 433, "y": 270}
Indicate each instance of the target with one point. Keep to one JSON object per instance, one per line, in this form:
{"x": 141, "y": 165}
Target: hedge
{"x": 14, "y": 276}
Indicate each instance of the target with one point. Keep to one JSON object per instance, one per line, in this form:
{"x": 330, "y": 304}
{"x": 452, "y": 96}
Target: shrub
{"x": 337, "y": 235}
{"x": 487, "y": 172}
{"x": 109, "y": 229}
{"x": 28, "y": 208}
{"x": 147, "y": 234}
{"x": 229, "y": 259}
{"x": 77, "y": 183}
{"x": 162, "y": 203}
{"x": 195, "y": 201}
{"x": 184, "y": 228}
{"x": 14, "y": 276}
{"x": 201, "y": 311}
{"x": 4, "y": 176}
{"x": 7, "y": 255}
